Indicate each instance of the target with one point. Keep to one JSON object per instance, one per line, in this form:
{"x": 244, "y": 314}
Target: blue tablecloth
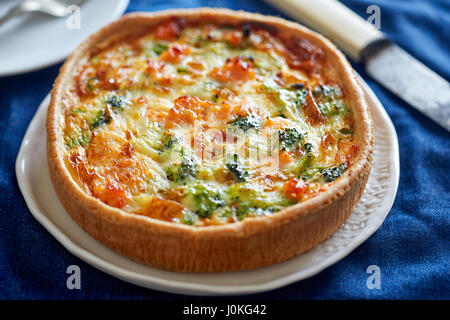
{"x": 411, "y": 248}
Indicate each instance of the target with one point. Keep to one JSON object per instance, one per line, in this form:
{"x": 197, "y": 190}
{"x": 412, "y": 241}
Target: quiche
{"x": 208, "y": 140}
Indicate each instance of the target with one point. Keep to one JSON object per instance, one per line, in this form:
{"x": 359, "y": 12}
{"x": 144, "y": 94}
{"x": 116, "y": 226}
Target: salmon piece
{"x": 141, "y": 100}
{"x": 327, "y": 141}
{"x": 112, "y": 169}
{"x": 225, "y": 94}
{"x": 237, "y": 70}
{"x": 127, "y": 150}
{"x": 74, "y": 124}
{"x": 274, "y": 126}
{"x": 152, "y": 114}
{"x": 79, "y": 163}
{"x": 111, "y": 78}
{"x": 169, "y": 30}
{"x": 105, "y": 146}
{"x": 108, "y": 77}
{"x": 175, "y": 53}
{"x": 196, "y": 68}
{"x": 104, "y": 184}
{"x": 305, "y": 56}
{"x": 156, "y": 115}
{"x": 186, "y": 110}
{"x": 224, "y": 113}
{"x": 286, "y": 157}
{"x": 82, "y": 81}
{"x": 166, "y": 210}
{"x": 155, "y": 67}
{"x": 277, "y": 123}
{"x": 347, "y": 152}
{"x": 311, "y": 110}
{"x": 112, "y": 194}
{"x": 328, "y": 147}
{"x": 234, "y": 38}
{"x": 295, "y": 189}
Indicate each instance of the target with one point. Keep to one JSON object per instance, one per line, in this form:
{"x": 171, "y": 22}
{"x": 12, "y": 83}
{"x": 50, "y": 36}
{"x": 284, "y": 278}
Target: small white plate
{"x": 34, "y": 41}
{"x": 370, "y": 212}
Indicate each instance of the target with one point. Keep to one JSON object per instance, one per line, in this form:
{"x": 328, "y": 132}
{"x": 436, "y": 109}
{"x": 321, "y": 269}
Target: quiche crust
{"x": 251, "y": 243}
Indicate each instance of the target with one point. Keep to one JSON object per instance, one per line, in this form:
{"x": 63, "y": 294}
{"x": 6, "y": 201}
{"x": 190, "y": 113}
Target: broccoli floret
{"x": 83, "y": 138}
{"x": 328, "y": 92}
{"x": 92, "y": 81}
{"x": 159, "y": 48}
{"x": 333, "y": 173}
{"x": 330, "y": 100}
{"x": 288, "y": 98}
{"x": 167, "y": 141}
{"x": 189, "y": 217}
{"x": 115, "y": 102}
{"x": 308, "y": 147}
{"x": 305, "y": 163}
{"x": 182, "y": 69}
{"x": 237, "y": 169}
{"x": 289, "y": 138}
{"x": 298, "y": 86}
{"x": 311, "y": 173}
{"x": 205, "y": 200}
{"x": 187, "y": 168}
{"x": 298, "y": 95}
{"x": 247, "y": 201}
{"x": 346, "y": 131}
{"x": 101, "y": 119}
{"x": 248, "y": 122}
{"x": 76, "y": 111}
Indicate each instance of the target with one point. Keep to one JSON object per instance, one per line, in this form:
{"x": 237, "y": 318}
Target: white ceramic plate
{"x": 34, "y": 41}
{"x": 371, "y": 210}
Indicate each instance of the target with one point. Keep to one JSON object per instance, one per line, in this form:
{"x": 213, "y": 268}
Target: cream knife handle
{"x": 335, "y": 21}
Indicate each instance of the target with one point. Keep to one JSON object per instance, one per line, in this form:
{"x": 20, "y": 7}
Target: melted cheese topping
{"x": 225, "y": 123}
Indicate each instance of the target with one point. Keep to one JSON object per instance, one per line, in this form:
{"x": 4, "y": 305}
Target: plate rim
{"x": 173, "y": 286}
{"x": 119, "y": 10}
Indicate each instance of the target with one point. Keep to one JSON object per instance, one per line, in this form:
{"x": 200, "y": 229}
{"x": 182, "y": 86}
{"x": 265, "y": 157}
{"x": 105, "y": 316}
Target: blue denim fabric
{"x": 411, "y": 247}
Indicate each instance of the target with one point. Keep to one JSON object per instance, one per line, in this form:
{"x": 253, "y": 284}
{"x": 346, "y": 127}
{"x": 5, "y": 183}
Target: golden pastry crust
{"x": 248, "y": 244}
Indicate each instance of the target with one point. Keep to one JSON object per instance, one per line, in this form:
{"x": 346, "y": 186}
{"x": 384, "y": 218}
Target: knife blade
{"x": 384, "y": 61}
{"x": 409, "y": 79}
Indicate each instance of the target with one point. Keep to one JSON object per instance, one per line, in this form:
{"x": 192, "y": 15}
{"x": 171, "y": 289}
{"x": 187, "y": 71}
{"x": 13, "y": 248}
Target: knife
{"x": 384, "y": 61}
